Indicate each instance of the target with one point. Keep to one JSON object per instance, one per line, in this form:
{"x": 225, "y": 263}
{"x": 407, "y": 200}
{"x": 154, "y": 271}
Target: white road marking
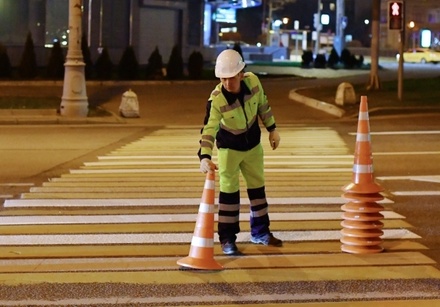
{"x": 165, "y": 218}
{"x": 191, "y": 157}
{"x": 166, "y": 202}
{"x": 433, "y": 178}
{"x": 379, "y": 298}
{"x": 170, "y": 238}
{"x": 196, "y": 170}
{"x": 17, "y": 184}
{"x": 119, "y": 163}
{"x": 416, "y": 193}
{"x": 103, "y": 264}
{"x": 406, "y": 153}
{"x": 402, "y": 132}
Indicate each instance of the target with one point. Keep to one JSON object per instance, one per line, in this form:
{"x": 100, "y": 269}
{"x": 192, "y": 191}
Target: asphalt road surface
{"x": 98, "y": 215}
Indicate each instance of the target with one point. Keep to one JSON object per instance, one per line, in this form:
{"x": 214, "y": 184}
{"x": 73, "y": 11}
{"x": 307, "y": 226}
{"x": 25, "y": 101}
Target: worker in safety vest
{"x": 233, "y": 111}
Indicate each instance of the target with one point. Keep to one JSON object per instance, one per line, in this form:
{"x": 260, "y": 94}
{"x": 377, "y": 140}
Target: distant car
{"x": 421, "y": 55}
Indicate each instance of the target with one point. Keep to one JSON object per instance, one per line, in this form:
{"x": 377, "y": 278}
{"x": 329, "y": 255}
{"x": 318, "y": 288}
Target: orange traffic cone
{"x": 363, "y": 179}
{"x": 201, "y": 254}
{"x": 362, "y": 228}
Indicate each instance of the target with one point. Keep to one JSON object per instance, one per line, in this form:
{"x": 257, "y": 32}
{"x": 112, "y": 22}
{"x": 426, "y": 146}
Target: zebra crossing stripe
{"x": 101, "y": 264}
{"x": 191, "y": 157}
{"x": 264, "y": 300}
{"x": 10, "y": 203}
{"x": 165, "y": 218}
{"x": 278, "y": 162}
{"x": 416, "y": 193}
{"x": 194, "y": 170}
{"x": 161, "y": 238}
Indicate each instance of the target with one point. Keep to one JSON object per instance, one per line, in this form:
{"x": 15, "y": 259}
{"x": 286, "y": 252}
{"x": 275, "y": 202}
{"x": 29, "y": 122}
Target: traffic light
{"x": 317, "y": 22}
{"x": 395, "y": 15}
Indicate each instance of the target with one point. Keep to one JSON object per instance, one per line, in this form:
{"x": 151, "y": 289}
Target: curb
{"x": 52, "y": 117}
{"x": 316, "y": 104}
{"x": 56, "y": 120}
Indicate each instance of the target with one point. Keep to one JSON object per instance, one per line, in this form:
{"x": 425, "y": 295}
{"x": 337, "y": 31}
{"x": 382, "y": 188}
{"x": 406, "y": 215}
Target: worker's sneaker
{"x": 229, "y": 248}
{"x": 267, "y": 239}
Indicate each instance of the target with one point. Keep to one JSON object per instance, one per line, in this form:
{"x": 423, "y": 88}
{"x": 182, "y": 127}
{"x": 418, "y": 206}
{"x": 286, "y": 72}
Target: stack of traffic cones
{"x": 362, "y": 226}
{"x": 201, "y": 254}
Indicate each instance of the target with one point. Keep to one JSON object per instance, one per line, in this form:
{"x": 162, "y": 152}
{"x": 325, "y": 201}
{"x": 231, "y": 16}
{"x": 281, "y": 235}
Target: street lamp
{"x": 285, "y": 21}
{"x": 412, "y": 25}
{"x": 74, "y": 100}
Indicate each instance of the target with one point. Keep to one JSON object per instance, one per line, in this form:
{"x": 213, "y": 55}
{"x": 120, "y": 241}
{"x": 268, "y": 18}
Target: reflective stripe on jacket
{"x": 232, "y": 124}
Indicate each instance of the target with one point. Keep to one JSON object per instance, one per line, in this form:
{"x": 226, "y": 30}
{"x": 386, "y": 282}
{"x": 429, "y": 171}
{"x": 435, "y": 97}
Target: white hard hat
{"x": 229, "y": 63}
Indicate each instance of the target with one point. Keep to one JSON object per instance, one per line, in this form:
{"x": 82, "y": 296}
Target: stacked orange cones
{"x": 362, "y": 228}
{"x": 201, "y": 254}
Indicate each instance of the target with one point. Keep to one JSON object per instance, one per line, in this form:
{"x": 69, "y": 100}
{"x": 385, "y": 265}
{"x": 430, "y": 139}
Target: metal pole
{"x": 269, "y": 24}
{"x": 400, "y": 69}
{"x": 74, "y": 100}
{"x": 100, "y": 24}
{"x": 339, "y": 38}
{"x": 89, "y": 25}
{"x": 318, "y": 29}
{"x": 130, "y": 40}
{"x": 402, "y": 34}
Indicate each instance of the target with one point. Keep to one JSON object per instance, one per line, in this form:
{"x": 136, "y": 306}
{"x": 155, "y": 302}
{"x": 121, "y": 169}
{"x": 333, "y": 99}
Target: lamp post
{"x": 285, "y": 22}
{"x": 318, "y": 28}
{"x": 412, "y": 25}
{"x": 341, "y": 23}
{"x": 74, "y": 100}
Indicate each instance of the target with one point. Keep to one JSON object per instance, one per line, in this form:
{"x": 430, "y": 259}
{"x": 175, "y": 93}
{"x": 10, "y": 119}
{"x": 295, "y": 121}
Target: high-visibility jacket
{"x": 234, "y": 124}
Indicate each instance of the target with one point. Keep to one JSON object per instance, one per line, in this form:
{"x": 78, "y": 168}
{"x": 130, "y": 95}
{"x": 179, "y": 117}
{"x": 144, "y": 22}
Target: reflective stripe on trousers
{"x": 250, "y": 164}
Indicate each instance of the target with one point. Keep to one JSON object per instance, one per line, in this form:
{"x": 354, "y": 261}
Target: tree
{"x": 5, "y": 63}
{"x": 307, "y": 59}
{"x": 175, "y": 64}
{"x": 87, "y": 58}
{"x": 155, "y": 65}
{"x": 28, "y": 63}
{"x": 195, "y": 65}
{"x": 55, "y": 66}
{"x": 128, "y": 67}
{"x": 237, "y": 48}
{"x": 320, "y": 61}
{"x": 333, "y": 59}
{"x": 104, "y": 66}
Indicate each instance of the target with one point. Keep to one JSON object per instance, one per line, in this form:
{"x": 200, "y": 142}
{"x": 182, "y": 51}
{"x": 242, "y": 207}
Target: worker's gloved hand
{"x": 274, "y": 139}
{"x": 206, "y": 165}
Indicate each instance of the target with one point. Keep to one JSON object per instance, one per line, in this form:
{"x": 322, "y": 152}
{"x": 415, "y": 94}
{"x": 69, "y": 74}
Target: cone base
{"x": 361, "y": 249}
{"x": 201, "y": 264}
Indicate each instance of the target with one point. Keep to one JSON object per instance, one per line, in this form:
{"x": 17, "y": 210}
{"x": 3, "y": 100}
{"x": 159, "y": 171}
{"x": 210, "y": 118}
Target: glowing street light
{"x": 412, "y": 25}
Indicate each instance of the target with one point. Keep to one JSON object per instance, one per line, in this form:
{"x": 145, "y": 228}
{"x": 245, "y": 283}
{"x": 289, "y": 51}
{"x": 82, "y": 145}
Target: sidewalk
{"x": 107, "y": 95}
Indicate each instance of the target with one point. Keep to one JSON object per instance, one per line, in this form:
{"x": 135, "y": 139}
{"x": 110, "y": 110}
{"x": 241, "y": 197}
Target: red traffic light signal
{"x": 395, "y": 15}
